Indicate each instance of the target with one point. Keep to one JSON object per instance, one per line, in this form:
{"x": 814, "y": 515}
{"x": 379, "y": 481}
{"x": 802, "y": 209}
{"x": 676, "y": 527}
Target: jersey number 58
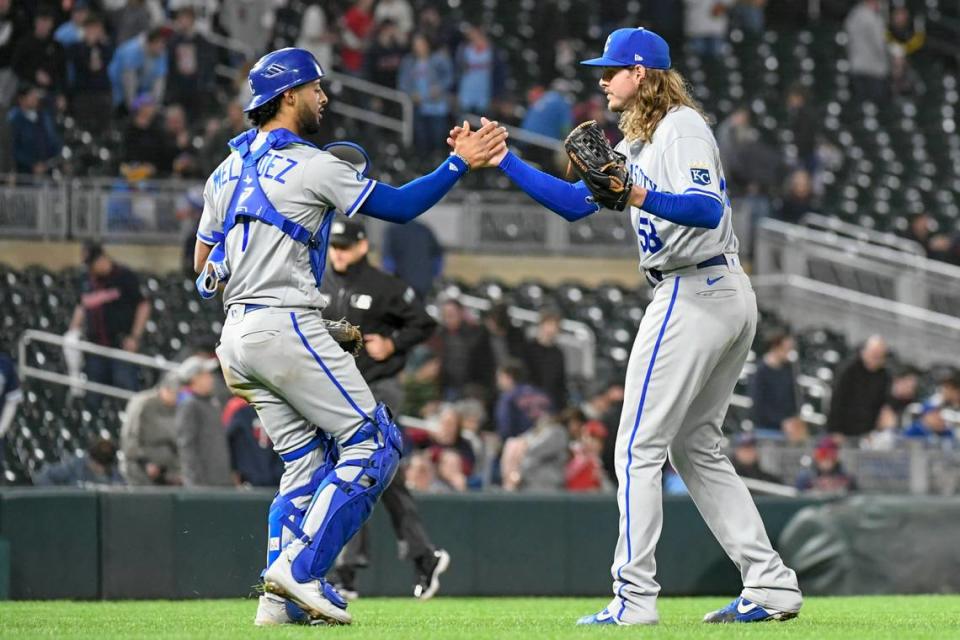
{"x": 650, "y": 242}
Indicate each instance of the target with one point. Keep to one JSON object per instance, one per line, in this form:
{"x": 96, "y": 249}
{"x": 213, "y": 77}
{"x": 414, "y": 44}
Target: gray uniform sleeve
{"x": 211, "y": 220}
{"x": 336, "y": 183}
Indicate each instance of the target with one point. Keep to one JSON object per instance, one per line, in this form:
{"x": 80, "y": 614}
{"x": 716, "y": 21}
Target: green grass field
{"x": 871, "y": 618}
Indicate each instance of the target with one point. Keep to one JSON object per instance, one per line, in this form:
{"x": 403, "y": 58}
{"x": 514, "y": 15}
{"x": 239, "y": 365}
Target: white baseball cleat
{"x": 273, "y": 611}
{"x": 318, "y": 599}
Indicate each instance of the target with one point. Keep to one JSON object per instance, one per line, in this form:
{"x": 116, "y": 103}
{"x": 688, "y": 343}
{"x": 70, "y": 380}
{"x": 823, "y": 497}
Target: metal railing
{"x": 861, "y": 234}
{"x": 33, "y": 208}
{"x": 27, "y": 370}
{"x": 402, "y": 125}
{"x": 872, "y": 270}
{"x": 925, "y": 337}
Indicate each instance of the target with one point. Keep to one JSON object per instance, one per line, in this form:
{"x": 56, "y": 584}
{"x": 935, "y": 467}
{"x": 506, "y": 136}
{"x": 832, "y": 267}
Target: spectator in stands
{"x": 201, "y": 441}
{"x": 383, "y": 57}
{"x": 827, "y": 474}
{"x": 145, "y": 141}
{"x": 34, "y": 139}
{"x": 400, "y": 13}
{"x": 14, "y": 22}
{"x": 243, "y": 21}
{"x": 798, "y": 198}
{"x": 476, "y": 60}
{"x": 218, "y": 133}
{"x": 940, "y": 416}
{"x": 519, "y": 404}
{"x": 537, "y": 459}
{"x": 549, "y": 112}
{"x": 71, "y": 32}
{"x": 860, "y": 390}
{"x": 356, "y": 26}
{"x": 906, "y": 38}
{"x": 89, "y": 83}
{"x": 139, "y": 67}
{"x": 465, "y": 356}
{"x": 507, "y": 341}
{"x": 903, "y": 394}
{"x": 10, "y": 394}
{"x": 192, "y": 60}
{"x": 449, "y": 435}
{"x": 176, "y": 135}
{"x": 803, "y": 122}
{"x": 748, "y": 15}
{"x": 752, "y": 167}
{"x": 705, "y": 26}
{"x": 412, "y": 252}
{"x": 450, "y": 474}
{"x": 584, "y": 471}
{"x": 251, "y": 453}
{"x": 795, "y": 431}
{"x": 422, "y": 476}
{"x": 206, "y": 11}
{"x": 773, "y": 387}
{"x": 148, "y": 437}
{"x": 97, "y": 466}
{"x": 315, "y": 34}
{"x": 867, "y": 52}
{"x": 440, "y": 32}
{"x": 923, "y": 230}
{"x": 37, "y": 58}
{"x": 746, "y": 460}
{"x": 427, "y": 77}
{"x": 114, "y": 312}
{"x": 544, "y": 359}
{"x": 134, "y": 19}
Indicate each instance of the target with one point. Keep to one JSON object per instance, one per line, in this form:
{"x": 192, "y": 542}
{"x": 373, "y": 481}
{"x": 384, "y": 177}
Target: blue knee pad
{"x": 352, "y": 501}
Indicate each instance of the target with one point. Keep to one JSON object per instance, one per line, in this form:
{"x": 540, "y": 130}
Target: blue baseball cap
{"x": 628, "y": 47}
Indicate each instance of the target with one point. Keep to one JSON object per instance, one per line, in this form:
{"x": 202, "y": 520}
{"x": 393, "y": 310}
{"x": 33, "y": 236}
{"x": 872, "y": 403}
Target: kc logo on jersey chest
{"x": 700, "y": 176}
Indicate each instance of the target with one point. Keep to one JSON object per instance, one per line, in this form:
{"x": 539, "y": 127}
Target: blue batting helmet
{"x": 280, "y": 70}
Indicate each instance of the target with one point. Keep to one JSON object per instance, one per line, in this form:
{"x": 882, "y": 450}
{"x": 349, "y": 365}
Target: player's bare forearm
{"x": 201, "y": 251}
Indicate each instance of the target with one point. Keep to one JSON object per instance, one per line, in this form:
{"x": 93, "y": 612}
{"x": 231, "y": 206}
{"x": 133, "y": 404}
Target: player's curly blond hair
{"x": 660, "y": 91}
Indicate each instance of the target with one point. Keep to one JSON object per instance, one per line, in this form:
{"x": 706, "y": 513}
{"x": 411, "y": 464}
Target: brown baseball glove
{"x": 602, "y": 169}
{"x": 348, "y": 336}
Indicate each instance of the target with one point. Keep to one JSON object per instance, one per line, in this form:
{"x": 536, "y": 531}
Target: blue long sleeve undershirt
{"x": 403, "y": 204}
{"x": 573, "y": 201}
{"x": 688, "y": 209}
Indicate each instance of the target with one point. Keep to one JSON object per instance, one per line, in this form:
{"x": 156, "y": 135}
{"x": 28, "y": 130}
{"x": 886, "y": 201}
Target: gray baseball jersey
{"x": 305, "y": 184}
{"x": 682, "y": 157}
{"x": 689, "y": 351}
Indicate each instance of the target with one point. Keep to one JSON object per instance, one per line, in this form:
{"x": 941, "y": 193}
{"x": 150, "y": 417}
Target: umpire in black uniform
{"x": 393, "y": 321}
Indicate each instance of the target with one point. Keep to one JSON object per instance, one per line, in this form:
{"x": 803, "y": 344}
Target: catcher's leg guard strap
{"x": 345, "y": 498}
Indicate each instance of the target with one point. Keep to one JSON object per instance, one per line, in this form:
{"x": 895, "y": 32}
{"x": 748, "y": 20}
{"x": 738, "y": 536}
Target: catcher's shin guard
{"x": 345, "y": 498}
{"x": 286, "y": 511}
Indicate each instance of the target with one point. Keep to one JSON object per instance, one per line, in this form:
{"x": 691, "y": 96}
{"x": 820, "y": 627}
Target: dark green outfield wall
{"x": 175, "y": 544}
